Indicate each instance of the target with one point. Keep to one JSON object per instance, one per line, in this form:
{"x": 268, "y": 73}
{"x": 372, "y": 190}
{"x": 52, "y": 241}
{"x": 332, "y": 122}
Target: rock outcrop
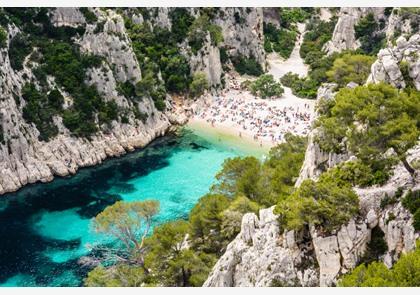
{"x": 261, "y": 256}
{"x": 264, "y": 254}
{"x": 401, "y": 22}
{"x": 24, "y": 158}
{"x": 317, "y": 161}
{"x": 113, "y": 44}
{"x": 389, "y": 65}
{"x": 207, "y": 60}
{"x": 67, "y": 16}
{"x": 344, "y": 34}
{"x": 242, "y": 30}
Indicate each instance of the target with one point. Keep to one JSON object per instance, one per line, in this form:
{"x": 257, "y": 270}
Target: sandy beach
{"x": 261, "y": 122}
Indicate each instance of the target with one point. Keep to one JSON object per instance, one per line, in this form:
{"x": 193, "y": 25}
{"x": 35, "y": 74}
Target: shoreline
{"x": 252, "y": 121}
{"x": 201, "y": 129}
{"x": 200, "y": 125}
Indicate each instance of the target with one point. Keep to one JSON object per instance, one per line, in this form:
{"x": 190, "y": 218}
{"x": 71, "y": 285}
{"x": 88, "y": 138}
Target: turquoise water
{"x": 46, "y": 228}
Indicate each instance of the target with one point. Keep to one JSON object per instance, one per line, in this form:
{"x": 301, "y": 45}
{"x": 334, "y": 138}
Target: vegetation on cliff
{"x": 369, "y": 32}
{"x": 182, "y": 253}
{"x": 404, "y": 273}
{"x": 370, "y": 120}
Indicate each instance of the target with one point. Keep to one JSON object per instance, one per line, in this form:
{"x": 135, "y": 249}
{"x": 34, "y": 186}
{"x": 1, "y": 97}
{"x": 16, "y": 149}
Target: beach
{"x": 261, "y": 122}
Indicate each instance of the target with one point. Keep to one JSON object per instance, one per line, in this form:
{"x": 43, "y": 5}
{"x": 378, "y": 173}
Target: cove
{"x": 46, "y": 228}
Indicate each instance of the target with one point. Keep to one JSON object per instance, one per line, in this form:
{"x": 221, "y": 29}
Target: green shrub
{"x": 181, "y": 21}
{"x": 404, "y": 273}
{"x": 206, "y": 221}
{"x": 280, "y": 40}
{"x": 216, "y": 34}
{"x": 266, "y": 87}
{"x": 405, "y": 70}
{"x": 4, "y": 20}
{"x": 387, "y": 200}
{"x": 88, "y": 14}
{"x": 412, "y": 203}
{"x": 3, "y": 38}
{"x": 290, "y": 16}
{"x": 40, "y": 109}
{"x": 199, "y": 30}
{"x": 99, "y": 27}
{"x": 232, "y": 217}
{"x": 150, "y": 86}
{"x": 157, "y": 51}
{"x": 56, "y": 100}
{"x": 366, "y": 31}
{"x": 318, "y": 33}
{"x": 19, "y": 48}
{"x": 238, "y": 177}
{"x": 244, "y": 65}
{"x": 327, "y": 204}
{"x": 224, "y": 57}
{"x": 350, "y": 68}
{"x": 108, "y": 112}
{"x": 127, "y": 89}
{"x": 376, "y": 247}
{"x": 358, "y": 173}
{"x": 68, "y": 66}
{"x": 199, "y": 84}
{"x": 394, "y": 125}
{"x": 301, "y": 87}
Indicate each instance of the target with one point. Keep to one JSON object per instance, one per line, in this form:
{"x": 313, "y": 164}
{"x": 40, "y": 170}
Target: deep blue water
{"x": 46, "y": 228}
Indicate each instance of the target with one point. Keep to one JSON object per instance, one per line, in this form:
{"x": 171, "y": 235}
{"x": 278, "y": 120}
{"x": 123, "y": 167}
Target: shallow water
{"x": 46, "y": 228}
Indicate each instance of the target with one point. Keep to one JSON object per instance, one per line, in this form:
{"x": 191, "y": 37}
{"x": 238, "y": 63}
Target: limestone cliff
{"x": 263, "y": 256}
{"x": 398, "y": 65}
{"x": 242, "y": 30}
{"x": 344, "y": 34}
{"x": 25, "y": 158}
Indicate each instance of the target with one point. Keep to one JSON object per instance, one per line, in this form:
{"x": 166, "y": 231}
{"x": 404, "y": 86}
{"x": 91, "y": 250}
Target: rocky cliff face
{"x": 263, "y": 256}
{"x": 401, "y": 22}
{"x": 398, "y": 65}
{"x": 344, "y": 34}
{"x": 24, "y": 158}
{"x": 317, "y": 161}
{"x": 242, "y": 30}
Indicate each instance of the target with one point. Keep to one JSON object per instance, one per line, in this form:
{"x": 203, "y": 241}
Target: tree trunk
{"x": 184, "y": 278}
{"x": 408, "y": 167}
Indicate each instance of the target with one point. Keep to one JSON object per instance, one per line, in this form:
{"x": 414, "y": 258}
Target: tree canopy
{"x": 327, "y": 203}
{"x": 129, "y": 222}
{"x": 199, "y": 84}
{"x": 370, "y": 120}
{"x": 404, "y": 273}
{"x": 350, "y": 68}
{"x": 266, "y": 87}
{"x": 171, "y": 262}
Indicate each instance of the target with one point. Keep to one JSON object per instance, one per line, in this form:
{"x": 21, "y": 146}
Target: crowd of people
{"x": 263, "y": 120}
